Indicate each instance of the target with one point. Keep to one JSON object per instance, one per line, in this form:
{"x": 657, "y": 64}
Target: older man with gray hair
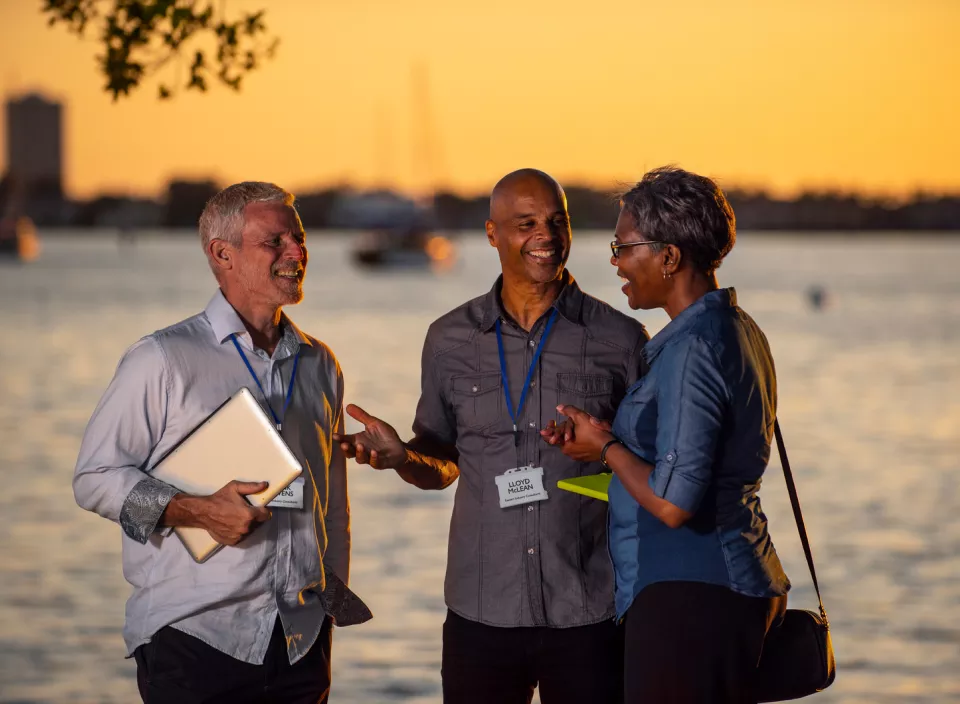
{"x": 253, "y": 623}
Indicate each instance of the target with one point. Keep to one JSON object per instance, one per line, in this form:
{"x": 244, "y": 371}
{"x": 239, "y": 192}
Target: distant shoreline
{"x": 155, "y": 233}
{"x": 345, "y": 208}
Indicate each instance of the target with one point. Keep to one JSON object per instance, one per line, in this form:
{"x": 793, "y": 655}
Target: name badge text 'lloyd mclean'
{"x": 521, "y": 486}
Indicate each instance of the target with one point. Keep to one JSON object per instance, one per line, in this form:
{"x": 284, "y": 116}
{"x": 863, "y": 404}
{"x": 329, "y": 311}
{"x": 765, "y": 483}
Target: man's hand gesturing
{"x": 378, "y": 445}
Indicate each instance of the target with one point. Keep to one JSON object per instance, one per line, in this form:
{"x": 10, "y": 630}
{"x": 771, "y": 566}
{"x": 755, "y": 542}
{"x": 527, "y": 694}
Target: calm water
{"x": 870, "y": 406}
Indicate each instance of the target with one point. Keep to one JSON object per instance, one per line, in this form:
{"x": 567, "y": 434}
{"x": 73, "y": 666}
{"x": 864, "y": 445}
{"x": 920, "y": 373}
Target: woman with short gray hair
{"x": 697, "y": 577}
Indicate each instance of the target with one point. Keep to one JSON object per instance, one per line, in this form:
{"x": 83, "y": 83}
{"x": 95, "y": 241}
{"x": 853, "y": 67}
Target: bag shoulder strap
{"x": 797, "y": 514}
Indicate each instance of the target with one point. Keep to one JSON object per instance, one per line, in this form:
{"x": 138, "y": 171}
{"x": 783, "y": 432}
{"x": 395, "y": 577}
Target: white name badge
{"x": 291, "y": 497}
{"x": 521, "y": 486}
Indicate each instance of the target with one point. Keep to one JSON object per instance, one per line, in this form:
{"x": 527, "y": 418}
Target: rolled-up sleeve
{"x": 122, "y": 433}
{"x": 691, "y": 402}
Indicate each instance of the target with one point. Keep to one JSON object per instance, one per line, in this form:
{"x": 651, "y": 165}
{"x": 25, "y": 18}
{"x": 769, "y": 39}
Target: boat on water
{"x": 18, "y": 239}
{"x": 404, "y": 248}
{"x": 401, "y": 233}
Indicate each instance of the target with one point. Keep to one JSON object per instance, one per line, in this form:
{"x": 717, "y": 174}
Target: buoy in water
{"x": 817, "y": 297}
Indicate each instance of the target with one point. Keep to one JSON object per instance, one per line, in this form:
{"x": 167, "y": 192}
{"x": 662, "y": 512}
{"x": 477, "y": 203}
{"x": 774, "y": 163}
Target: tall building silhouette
{"x": 35, "y": 145}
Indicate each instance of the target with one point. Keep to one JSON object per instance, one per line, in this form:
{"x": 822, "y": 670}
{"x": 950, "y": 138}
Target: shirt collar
{"x": 226, "y": 322}
{"x": 721, "y": 298}
{"x": 568, "y": 304}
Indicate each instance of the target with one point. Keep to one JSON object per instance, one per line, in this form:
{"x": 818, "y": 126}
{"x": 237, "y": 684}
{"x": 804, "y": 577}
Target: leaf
{"x": 140, "y": 38}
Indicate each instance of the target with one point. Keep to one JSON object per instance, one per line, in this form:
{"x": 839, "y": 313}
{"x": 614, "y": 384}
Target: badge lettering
{"x": 291, "y": 496}
{"x": 521, "y": 486}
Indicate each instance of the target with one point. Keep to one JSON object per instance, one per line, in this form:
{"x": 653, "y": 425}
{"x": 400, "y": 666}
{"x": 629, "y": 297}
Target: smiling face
{"x": 640, "y": 267}
{"x": 269, "y": 266}
{"x": 530, "y": 227}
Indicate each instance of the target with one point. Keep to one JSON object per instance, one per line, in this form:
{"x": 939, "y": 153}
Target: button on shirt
{"x": 165, "y": 385}
{"x": 703, "y": 417}
{"x": 544, "y": 563}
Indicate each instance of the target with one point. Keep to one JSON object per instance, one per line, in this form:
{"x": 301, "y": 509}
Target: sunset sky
{"x": 850, "y": 94}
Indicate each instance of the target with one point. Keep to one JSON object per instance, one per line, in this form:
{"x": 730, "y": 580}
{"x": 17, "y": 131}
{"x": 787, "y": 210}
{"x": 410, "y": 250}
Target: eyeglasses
{"x": 615, "y": 246}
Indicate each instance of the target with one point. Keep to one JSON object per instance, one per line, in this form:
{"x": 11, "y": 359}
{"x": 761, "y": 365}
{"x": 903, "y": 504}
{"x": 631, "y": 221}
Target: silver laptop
{"x": 237, "y": 441}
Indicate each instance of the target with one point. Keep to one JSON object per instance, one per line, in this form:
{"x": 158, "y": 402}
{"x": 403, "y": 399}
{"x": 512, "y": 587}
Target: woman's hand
{"x": 555, "y": 434}
{"x": 581, "y": 437}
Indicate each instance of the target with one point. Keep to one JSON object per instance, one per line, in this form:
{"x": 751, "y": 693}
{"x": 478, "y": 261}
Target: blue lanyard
{"x": 526, "y": 384}
{"x": 293, "y": 376}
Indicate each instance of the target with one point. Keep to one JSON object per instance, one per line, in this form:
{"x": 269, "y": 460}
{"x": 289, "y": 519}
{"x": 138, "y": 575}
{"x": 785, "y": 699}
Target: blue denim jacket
{"x": 703, "y": 417}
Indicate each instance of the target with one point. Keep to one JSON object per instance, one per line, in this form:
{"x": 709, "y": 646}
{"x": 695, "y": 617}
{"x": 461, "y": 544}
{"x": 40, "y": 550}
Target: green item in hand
{"x": 592, "y": 485}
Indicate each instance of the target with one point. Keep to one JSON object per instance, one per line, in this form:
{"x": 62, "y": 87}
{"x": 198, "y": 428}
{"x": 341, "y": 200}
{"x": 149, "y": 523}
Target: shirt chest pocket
{"x": 477, "y": 399}
{"x": 593, "y": 393}
{"x": 636, "y": 420}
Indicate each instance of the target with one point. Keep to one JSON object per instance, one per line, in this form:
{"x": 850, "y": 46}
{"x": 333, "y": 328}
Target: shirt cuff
{"x": 341, "y": 604}
{"x": 680, "y": 489}
{"x": 143, "y": 507}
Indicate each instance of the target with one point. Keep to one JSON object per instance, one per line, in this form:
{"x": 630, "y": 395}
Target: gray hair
{"x": 222, "y": 217}
{"x": 677, "y": 207}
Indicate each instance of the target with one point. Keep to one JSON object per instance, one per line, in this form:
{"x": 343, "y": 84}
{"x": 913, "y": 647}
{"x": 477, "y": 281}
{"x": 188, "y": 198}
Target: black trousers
{"x": 695, "y": 643}
{"x": 490, "y": 665}
{"x": 175, "y": 668}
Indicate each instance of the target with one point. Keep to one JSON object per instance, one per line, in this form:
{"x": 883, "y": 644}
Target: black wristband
{"x": 603, "y": 452}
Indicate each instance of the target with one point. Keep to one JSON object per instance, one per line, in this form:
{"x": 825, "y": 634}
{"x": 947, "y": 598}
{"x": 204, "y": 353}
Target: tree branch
{"x": 139, "y": 37}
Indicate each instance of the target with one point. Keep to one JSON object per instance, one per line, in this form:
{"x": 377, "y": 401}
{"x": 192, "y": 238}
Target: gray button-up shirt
{"x": 543, "y": 563}
{"x": 164, "y": 386}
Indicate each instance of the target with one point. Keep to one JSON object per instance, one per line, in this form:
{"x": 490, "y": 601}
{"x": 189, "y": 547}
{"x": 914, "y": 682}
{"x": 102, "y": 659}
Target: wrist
{"x": 613, "y": 442}
{"x": 406, "y": 458}
{"x": 184, "y": 510}
{"x": 401, "y": 460}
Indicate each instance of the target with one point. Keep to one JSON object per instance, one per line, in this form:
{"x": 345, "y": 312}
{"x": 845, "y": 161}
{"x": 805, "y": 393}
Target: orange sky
{"x": 855, "y": 94}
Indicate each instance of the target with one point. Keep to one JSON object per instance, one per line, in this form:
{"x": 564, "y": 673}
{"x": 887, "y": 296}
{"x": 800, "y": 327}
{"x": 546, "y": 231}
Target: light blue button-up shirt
{"x": 164, "y": 386}
{"x": 703, "y": 417}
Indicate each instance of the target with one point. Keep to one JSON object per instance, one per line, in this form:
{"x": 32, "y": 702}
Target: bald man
{"x": 529, "y": 585}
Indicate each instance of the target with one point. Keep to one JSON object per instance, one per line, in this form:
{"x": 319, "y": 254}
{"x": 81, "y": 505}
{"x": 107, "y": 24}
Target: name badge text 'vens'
{"x": 291, "y": 496}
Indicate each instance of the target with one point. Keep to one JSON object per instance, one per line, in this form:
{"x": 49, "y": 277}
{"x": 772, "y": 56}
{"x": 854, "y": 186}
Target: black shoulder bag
{"x": 797, "y": 657}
